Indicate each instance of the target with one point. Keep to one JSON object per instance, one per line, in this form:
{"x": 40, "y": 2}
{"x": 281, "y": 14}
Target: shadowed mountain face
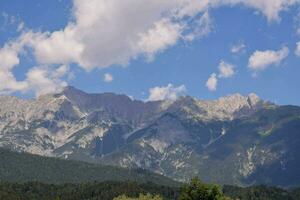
{"x": 233, "y": 140}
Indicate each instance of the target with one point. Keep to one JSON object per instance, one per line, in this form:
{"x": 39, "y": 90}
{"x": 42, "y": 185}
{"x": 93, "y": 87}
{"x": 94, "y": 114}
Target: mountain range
{"x": 236, "y": 139}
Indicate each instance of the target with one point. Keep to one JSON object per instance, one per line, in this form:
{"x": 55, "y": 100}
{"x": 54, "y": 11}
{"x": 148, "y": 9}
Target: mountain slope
{"x": 22, "y": 167}
{"x": 257, "y": 150}
{"x": 233, "y": 140}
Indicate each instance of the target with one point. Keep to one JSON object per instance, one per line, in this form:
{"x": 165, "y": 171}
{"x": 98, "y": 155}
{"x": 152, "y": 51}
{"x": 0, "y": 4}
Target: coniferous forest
{"x": 195, "y": 190}
{"x": 30, "y": 177}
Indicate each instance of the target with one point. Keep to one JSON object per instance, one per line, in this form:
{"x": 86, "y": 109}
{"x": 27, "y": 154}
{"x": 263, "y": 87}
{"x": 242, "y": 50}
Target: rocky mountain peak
{"x": 86, "y": 100}
{"x": 164, "y": 136}
{"x": 70, "y": 90}
{"x": 238, "y": 101}
{"x": 224, "y": 108}
{"x": 253, "y": 99}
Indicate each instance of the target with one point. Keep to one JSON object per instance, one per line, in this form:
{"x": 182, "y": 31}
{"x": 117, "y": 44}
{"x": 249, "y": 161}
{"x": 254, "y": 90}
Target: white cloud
{"x": 104, "y": 33}
{"x": 112, "y": 33}
{"x": 238, "y": 48}
{"x": 60, "y": 47}
{"x": 200, "y": 28}
{"x": 298, "y": 32}
{"x": 8, "y": 83}
{"x": 270, "y": 8}
{"x": 8, "y": 58}
{"x": 212, "y": 82}
{"x": 43, "y": 81}
{"x": 164, "y": 34}
{"x": 168, "y": 92}
{"x": 297, "y": 51}
{"x": 108, "y": 77}
{"x": 260, "y": 60}
{"x": 21, "y": 26}
{"x": 226, "y": 70}
{"x": 61, "y": 71}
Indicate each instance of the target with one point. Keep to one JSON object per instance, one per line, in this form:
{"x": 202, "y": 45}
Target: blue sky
{"x": 164, "y": 47}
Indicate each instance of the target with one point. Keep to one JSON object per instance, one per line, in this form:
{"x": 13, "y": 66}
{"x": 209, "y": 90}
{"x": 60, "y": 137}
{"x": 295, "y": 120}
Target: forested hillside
{"x": 130, "y": 190}
{"x": 22, "y": 167}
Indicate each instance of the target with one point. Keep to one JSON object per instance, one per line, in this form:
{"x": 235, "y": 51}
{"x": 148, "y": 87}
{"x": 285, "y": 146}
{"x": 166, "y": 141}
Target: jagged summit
{"x": 75, "y": 94}
{"x": 63, "y": 116}
{"x": 175, "y": 138}
{"x": 74, "y": 102}
{"x": 80, "y": 97}
{"x": 227, "y": 107}
{"x": 237, "y": 101}
{"x": 70, "y": 90}
{"x": 237, "y": 97}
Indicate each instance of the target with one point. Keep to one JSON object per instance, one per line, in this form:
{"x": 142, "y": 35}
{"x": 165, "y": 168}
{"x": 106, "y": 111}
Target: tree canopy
{"x": 197, "y": 190}
{"x": 141, "y": 197}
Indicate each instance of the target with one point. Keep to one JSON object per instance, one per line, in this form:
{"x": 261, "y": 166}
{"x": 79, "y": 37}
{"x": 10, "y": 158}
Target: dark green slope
{"x": 22, "y": 167}
{"x": 85, "y": 191}
{"x": 110, "y": 190}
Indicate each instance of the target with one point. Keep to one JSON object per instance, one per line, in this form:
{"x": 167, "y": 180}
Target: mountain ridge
{"x": 179, "y": 139}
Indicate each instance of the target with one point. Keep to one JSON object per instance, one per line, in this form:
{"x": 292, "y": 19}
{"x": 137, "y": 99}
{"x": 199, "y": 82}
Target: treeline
{"x": 261, "y": 193}
{"x": 23, "y": 167}
{"x": 84, "y": 191}
{"x": 195, "y": 190}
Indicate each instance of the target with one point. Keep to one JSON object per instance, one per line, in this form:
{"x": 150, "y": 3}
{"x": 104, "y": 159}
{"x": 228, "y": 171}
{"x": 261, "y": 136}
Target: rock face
{"x": 234, "y": 140}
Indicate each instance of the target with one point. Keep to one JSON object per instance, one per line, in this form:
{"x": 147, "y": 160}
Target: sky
{"x": 152, "y": 50}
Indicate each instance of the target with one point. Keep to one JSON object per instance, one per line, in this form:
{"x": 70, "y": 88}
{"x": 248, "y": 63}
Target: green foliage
{"x": 85, "y": 191}
{"x": 22, "y": 167}
{"x": 141, "y": 197}
{"x": 260, "y": 193}
{"x": 196, "y": 190}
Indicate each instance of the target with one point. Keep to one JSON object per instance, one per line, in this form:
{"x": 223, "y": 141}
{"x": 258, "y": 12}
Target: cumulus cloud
{"x": 21, "y": 26}
{"x": 297, "y": 51}
{"x": 270, "y": 8}
{"x": 61, "y": 71}
{"x": 238, "y": 48}
{"x": 9, "y": 59}
{"x": 40, "y": 79}
{"x": 168, "y": 92}
{"x": 108, "y": 77}
{"x": 164, "y": 34}
{"x": 212, "y": 82}
{"x": 60, "y": 47}
{"x": 260, "y": 60}
{"x": 226, "y": 70}
{"x": 200, "y": 27}
{"x": 9, "y": 84}
{"x": 44, "y": 81}
{"x": 105, "y": 33}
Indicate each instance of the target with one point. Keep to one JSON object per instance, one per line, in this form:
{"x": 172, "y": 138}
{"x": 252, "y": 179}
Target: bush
{"x": 141, "y": 197}
{"x": 196, "y": 190}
